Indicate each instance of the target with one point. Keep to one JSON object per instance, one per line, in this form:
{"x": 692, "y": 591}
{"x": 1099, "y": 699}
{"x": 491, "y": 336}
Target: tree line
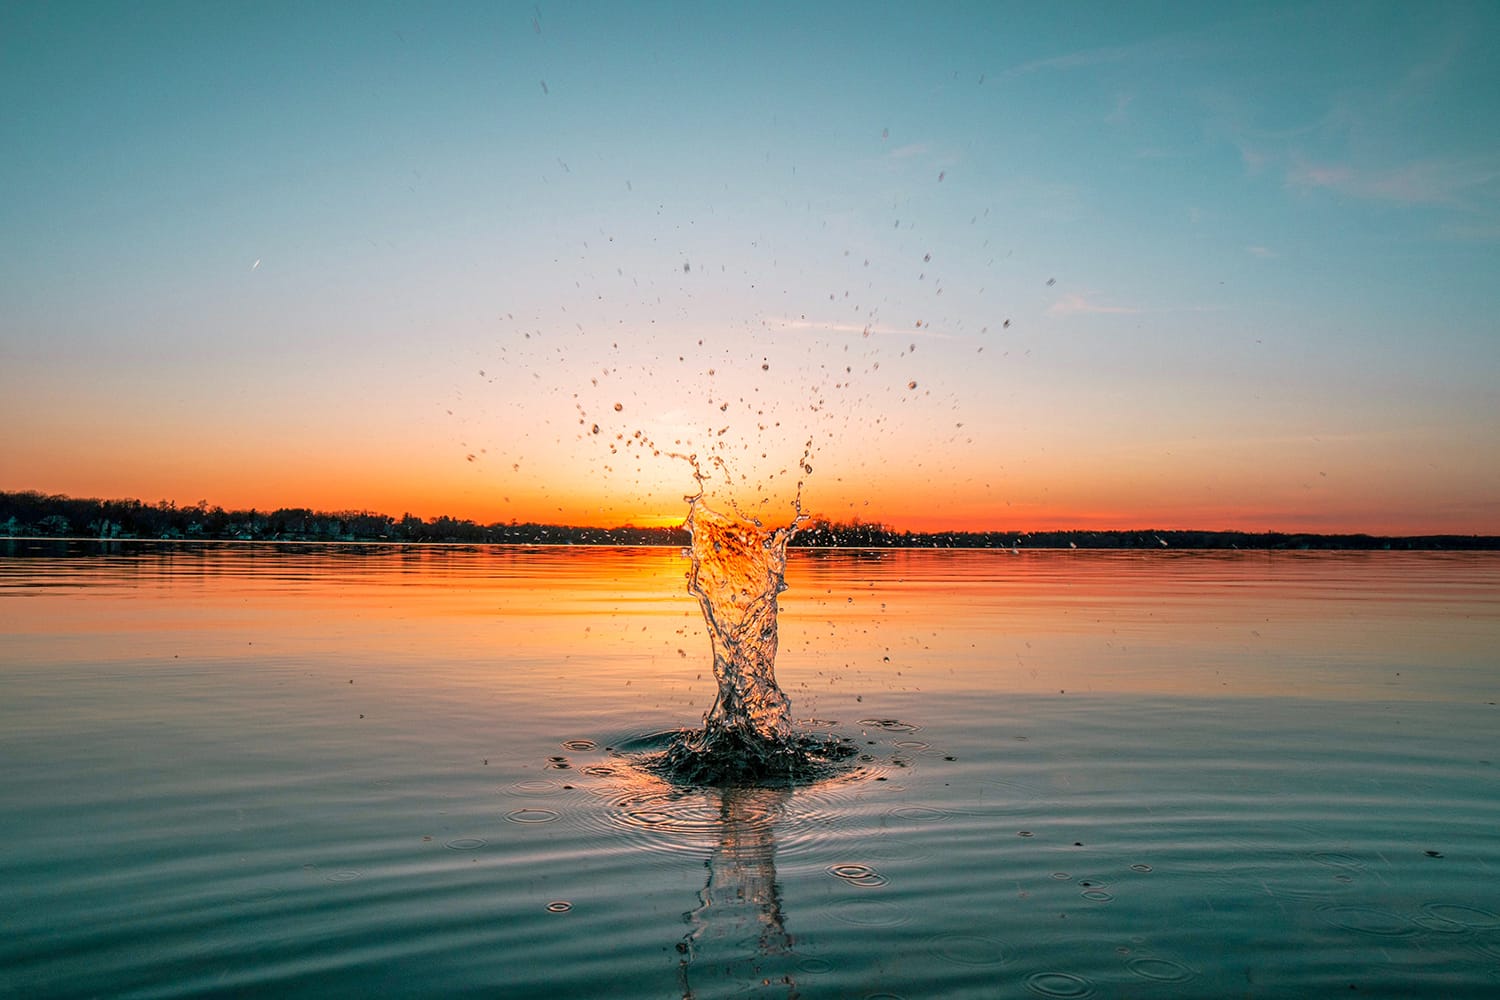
{"x": 34, "y": 514}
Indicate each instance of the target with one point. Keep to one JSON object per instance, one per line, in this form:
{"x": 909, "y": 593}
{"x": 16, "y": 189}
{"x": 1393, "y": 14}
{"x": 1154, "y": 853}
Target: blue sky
{"x": 261, "y": 253}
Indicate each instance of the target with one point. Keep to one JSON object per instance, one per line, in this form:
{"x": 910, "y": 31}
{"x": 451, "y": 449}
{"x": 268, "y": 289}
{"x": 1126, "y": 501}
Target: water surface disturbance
{"x": 738, "y": 573}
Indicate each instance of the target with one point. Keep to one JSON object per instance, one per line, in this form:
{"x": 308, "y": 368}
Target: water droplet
{"x": 911, "y": 385}
{"x": 465, "y": 844}
{"x": 619, "y": 407}
{"x": 559, "y": 906}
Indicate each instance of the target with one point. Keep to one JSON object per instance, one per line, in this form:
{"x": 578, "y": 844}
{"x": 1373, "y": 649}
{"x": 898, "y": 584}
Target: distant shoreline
{"x": 919, "y": 542}
{"x": 35, "y": 516}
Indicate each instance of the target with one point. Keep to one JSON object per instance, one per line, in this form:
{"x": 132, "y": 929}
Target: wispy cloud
{"x": 868, "y": 329}
{"x": 1191, "y": 43}
{"x": 1425, "y": 182}
{"x": 1471, "y": 232}
{"x": 909, "y": 150}
{"x": 1074, "y": 305}
{"x": 1120, "y": 114}
{"x": 1072, "y": 60}
{"x": 1264, "y": 253}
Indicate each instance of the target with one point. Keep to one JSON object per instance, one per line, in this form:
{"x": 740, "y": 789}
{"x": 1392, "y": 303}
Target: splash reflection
{"x": 737, "y": 943}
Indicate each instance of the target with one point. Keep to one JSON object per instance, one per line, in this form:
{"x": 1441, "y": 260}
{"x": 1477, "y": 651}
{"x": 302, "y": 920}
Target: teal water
{"x": 356, "y": 771}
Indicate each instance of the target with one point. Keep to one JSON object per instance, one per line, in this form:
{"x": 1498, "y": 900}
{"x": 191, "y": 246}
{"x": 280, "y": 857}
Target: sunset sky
{"x": 1004, "y": 266}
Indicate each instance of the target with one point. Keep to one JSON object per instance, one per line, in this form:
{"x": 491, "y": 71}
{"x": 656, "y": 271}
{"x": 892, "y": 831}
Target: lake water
{"x": 357, "y": 771}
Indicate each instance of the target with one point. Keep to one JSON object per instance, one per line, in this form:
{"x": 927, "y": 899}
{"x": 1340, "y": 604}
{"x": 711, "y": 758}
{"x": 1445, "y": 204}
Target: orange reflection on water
{"x": 605, "y": 632}
{"x": 1188, "y": 623}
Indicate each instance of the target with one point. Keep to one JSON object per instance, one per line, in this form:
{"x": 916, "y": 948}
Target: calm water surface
{"x": 358, "y": 771}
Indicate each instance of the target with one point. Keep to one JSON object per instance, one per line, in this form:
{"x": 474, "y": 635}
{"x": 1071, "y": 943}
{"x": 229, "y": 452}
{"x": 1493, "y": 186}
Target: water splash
{"x": 738, "y": 573}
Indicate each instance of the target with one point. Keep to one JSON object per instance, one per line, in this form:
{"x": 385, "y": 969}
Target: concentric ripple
{"x": 890, "y": 725}
{"x": 1471, "y": 917}
{"x": 531, "y": 815}
{"x": 861, "y": 875}
{"x": 866, "y": 911}
{"x": 968, "y": 949}
{"x": 1369, "y": 920}
{"x": 1160, "y": 970}
{"x": 1063, "y": 985}
{"x": 921, "y": 814}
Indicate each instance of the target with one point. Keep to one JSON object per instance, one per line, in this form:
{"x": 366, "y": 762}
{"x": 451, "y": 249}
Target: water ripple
{"x": 921, "y": 814}
{"x": 861, "y": 875}
{"x": 968, "y": 949}
{"x": 1161, "y": 970}
{"x": 1471, "y": 917}
{"x": 1369, "y": 920}
{"x": 868, "y": 912}
{"x": 1062, "y": 985}
{"x": 891, "y": 725}
{"x": 531, "y": 815}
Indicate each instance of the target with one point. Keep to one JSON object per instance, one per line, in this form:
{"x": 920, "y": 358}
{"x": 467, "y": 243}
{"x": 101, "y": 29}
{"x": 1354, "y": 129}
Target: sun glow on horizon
{"x": 1160, "y": 309}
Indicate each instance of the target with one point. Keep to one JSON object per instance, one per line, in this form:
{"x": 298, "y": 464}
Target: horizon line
{"x": 830, "y": 521}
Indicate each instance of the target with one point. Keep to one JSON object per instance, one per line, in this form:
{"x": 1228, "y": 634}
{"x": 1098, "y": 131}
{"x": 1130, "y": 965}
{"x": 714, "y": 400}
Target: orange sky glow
{"x": 981, "y": 286}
